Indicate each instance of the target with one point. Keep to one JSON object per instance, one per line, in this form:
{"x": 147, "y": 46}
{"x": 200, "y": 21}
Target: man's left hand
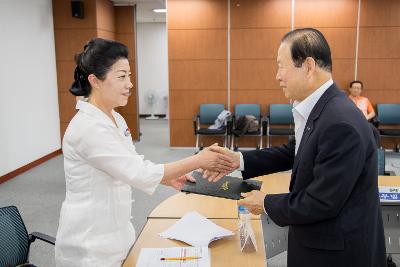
{"x": 253, "y": 201}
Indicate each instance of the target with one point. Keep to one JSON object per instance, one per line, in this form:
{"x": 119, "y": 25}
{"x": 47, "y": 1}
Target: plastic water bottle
{"x": 244, "y": 224}
{"x": 243, "y": 215}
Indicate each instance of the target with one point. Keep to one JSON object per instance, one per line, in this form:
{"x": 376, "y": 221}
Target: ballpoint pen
{"x": 180, "y": 259}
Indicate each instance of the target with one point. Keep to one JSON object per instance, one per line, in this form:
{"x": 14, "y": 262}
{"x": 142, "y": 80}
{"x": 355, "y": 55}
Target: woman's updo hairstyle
{"x": 97, "y": 58}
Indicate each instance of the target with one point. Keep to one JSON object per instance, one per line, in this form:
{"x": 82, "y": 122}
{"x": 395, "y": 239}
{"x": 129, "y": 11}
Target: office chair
{"x": 381, "y": 161}
{"x": 243, "y": 110}
{"x": 14, "y": 239}
{"x": 381, "y": 154}
{"x": 389, "y": 114}
{"x": 208, "y": 113}
{"x": 381, "y": 164}
{"x": 280, "y": 115}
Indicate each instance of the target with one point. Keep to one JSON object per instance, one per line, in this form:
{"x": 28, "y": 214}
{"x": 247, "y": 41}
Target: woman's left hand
{"x": 178, "y": 183}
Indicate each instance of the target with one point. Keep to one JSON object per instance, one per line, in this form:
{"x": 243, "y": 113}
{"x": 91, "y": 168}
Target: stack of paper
{"x": 196, "y": 230}
{"x": 174, "y": 257}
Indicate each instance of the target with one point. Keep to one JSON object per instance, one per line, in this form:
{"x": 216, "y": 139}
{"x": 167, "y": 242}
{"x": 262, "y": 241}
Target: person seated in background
{"x": 361, "y": 102}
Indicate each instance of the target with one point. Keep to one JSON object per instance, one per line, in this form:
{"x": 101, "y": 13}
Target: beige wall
{"x": 379, "y": 53}
{"x": 256, "y": 30}
{"x": 198, "y": 52}
{"x": 198, "y": 60}
{"x": 125, "y": 33}
{"x": 71, "y": 34}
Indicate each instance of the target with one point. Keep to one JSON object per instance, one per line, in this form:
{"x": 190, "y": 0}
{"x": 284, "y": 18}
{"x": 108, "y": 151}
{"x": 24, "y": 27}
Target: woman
{"x": 101, "y": 163}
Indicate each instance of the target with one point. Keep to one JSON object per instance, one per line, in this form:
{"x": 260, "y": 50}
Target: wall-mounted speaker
{"x": 77, "y": 9}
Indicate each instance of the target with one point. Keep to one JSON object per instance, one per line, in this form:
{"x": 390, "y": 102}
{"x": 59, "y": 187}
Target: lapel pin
{"x": 127, "y": 132}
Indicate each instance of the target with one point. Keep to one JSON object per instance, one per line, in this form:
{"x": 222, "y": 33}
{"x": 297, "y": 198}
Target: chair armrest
{"x": 229, "y": 124}
{"x": 196, "y": 124}
{"x": 261, "y": 121}
{"x": 375, "y": 121}
{"x": 390, "y": 173}
{"x": 265, "y": 122}
{"x": 233, "y": 121}
{"x": 46, "y": 238}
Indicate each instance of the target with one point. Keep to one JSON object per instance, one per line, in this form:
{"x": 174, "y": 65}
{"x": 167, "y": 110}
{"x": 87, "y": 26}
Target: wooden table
{"x": 212, "y": 207}
{"x": 389, "y": 180}
{"x": 223, "y": 252}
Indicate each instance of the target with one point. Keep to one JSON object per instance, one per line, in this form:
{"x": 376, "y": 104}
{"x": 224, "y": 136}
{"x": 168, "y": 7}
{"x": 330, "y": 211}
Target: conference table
{"x": 226, "y": 251}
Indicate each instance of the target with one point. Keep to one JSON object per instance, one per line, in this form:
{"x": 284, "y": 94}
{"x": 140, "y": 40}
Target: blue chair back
{"x": 209, "y": 112}
{"x": 381, "y": 161}
{"x": 389, "y": 113}
{"x": 247, "y": 109}
{"x": 281, "y": 114}
{"x": 14, "y": 239}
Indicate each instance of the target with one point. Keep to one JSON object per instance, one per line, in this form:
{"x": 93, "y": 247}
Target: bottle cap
{"x": 242, "y": 208}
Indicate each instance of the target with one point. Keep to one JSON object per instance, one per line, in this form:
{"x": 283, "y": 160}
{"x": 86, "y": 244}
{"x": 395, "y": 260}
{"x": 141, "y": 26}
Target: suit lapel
{"x": 308, "y": 129}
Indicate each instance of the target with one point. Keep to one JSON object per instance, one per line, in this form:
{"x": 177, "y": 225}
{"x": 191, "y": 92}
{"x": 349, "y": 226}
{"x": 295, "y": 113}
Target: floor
{"x": 39, "y": 192}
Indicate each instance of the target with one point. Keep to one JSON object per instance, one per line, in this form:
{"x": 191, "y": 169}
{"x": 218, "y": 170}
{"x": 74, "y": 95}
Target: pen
{"x": 180, "y": 259}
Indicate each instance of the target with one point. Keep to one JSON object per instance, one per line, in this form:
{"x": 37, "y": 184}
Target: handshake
{"x": 216, "y": 162}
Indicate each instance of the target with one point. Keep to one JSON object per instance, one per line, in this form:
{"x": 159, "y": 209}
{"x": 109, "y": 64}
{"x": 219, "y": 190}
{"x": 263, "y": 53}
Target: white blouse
{"x": 100, "y": 163}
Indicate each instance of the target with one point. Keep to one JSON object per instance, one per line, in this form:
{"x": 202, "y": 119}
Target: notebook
{"x": 227, "y": 187}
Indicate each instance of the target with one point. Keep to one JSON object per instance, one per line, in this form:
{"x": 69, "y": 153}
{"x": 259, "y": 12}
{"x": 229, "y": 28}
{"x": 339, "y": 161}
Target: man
{"x": 332, "y": 208}
{"x": 361, "y": 102}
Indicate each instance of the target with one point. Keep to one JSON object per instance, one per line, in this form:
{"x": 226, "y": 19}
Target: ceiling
{"x": 144, "y": 9}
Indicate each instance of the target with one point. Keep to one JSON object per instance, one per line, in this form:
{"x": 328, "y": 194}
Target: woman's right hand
{"x": 216, "y": 159}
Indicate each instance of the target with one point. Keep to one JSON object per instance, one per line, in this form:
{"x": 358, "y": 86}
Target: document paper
{"x": 196, "y": 230}
{"x": 151, "y": 257}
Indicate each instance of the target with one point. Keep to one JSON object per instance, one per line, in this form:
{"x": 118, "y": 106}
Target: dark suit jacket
{"x": 332, "y": 208}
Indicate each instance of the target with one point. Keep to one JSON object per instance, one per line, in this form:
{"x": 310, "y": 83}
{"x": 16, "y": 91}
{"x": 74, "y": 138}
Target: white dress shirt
{"x": 101, "y": 165}
{"x": 301, "y": 111}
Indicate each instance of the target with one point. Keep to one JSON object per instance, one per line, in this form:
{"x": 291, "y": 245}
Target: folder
{"x": 227, "y": 187}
